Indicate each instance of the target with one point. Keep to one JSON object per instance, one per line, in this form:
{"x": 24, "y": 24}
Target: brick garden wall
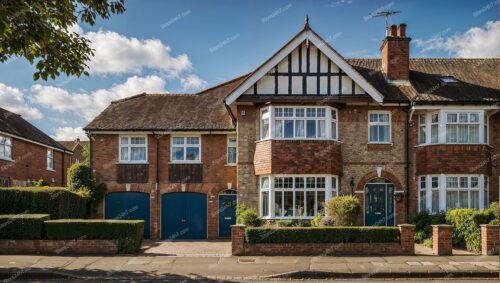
{"x": 58, "y": 247}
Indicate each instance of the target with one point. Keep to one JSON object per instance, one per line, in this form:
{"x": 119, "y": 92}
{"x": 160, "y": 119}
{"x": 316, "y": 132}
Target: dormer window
{"x": 449, "y": 80}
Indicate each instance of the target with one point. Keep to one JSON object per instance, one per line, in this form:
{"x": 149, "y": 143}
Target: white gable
{"x": 305, "y": 66}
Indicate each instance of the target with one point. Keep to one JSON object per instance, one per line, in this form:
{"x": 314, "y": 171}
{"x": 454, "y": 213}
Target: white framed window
{"x": 295, "y": 196}
{"x": 422, "y": 129}
{"x": 5, "y": 147}
{"x": 435, "y": 195}
{"x": 462, "y": 192}
{"x": 379, "y": 127}
{"x": 185, "y": 149}
{"x": 50, "y": 159}
{"x": 422, "y": 194}
{"x": 434, "y": 127}
{"x": 133, "y": 149}
{"x": 299, "y": 123}
{"x": 462, "y": 127}
{"x": 231, "y": 150}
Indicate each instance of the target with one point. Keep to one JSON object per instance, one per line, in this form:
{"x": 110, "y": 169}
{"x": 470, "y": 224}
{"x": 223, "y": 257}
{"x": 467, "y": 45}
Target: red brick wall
{"x": 298, "y": 157}
{"x": 216, "y": 174}
{"x": 58, "y": 247}
{"x": 396, "y": 58}
{"x": 30, "y": 162}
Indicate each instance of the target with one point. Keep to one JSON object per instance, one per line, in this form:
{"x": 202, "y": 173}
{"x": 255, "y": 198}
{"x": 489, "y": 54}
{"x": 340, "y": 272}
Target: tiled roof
{"x": 14, "y": 124}
{"x": 70, "y": 145}
{"x": 181, "y": 112}
{"x": 478, "y": 80}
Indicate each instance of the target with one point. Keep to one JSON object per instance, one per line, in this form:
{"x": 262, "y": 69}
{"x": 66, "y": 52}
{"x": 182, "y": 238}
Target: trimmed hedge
{"x": 22, "y": 226}
{"x": 322, "y": 235}
{"x": 58, "y": 202}
{"x": 127, "y": 233}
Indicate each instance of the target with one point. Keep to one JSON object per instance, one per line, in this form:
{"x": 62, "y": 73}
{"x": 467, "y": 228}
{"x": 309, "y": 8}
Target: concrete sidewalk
{"x": 243, "y": 268}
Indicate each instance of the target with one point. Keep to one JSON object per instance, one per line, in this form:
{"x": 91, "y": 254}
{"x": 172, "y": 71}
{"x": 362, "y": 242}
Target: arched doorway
{"x": 379, "y": 202}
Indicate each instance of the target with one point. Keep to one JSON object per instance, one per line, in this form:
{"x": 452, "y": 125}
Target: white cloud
{"x": 69, "y": 134}
{"x": 193, "y": 82}
{"x": 88, "y": 105}
{"x": 14, "y": 100}
{"x": 477, "y": 42}
{"x": 117, "y": 54}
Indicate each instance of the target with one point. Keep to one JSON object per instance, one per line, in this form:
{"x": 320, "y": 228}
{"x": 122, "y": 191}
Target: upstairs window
{"x": 453, "y": 127}
{"x": 5, "y": 147}
{"x": 133, "y": 149}
{"x": 379, "y": 127}
{"x": 462, "y": 128}
{"x": 50, "y": 159}
{"x": 186, "y": 149}
{"x": 231, "y": 150}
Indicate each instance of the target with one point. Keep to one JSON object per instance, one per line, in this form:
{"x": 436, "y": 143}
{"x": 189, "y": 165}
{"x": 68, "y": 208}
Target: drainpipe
{"x": 89, "y": 135}
{"x": 409, "y": 114}
{"x": 157, "y": 184}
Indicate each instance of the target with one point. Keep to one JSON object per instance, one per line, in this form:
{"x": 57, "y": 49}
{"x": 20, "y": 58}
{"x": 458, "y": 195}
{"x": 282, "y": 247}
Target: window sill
{"x": 7, "y": 159}
{"x": 231, "y": 165}
{"x": 431, "y": 144}
{"x": 282, "y": 139}
{"x": 51, "y": 170}
{"x": 381, "y": 143}
{"x": 184, "y": 162}
{"x": 128, "y": 163}
{"x": 288, "y": 218}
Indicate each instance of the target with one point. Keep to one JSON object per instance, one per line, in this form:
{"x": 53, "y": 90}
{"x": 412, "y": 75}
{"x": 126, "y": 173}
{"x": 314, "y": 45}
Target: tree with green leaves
{"x": 39, "y": 30}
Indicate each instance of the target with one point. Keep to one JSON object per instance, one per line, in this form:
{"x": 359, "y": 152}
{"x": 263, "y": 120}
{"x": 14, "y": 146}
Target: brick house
{"x": 77, "y": 147}
{"x": 404, "y": 135}
{"x": 28, "y": 154}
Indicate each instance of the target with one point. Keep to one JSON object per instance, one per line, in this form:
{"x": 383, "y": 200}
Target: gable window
{"x": 50, "y": 159}
{"x": 133, "y": 149}
{"x": 5, "y": 147}
{"x": 299, "y": 123}
{"x": 185, "y": 149}
{"x": 379, "y": 127}
{"x": 231, "y": 150}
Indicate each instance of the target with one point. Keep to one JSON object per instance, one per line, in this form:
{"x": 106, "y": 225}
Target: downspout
{"x": 89, "y": 135}
{"x": 409, "y": 114}
{"x": 157, "y": 184}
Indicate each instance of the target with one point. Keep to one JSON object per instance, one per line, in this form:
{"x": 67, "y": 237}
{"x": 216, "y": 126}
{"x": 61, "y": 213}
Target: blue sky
{"x": 183, "y": 46}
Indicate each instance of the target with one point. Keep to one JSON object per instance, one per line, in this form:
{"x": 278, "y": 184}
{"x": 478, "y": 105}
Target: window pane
{"x": 123, "y": 141}
{"x": 288, "y": 128}
{"x": 452, "y": 199}
{"x": 124, "y": 153}
{"x": 300, "y": 131}
{"x": 310, "y": 199}
{"x": 231, "y": 155}
{"x": 310, "y": 182}
{"x": 278, "y": 128}
{"x": 288, "y": 182}
{"x": 138, "y": 154}
{"x": 451, "y": 118}
{"x": 334, "y": 130}
{"x": 299, "y": 204}
{"x": 287, "y": 112}
{"x": 320, "y": 182}
{"x": 7, "y": 152}
{"x": 434, "y": 133}
{"x": 334, "y": 115}
{"x": 435, "y": 118}
{"x": 384, "y": 118}
{"x": 474, "y": 182}
{"x": 373, "y": 133}
{"x": 384, "y": 134}
{"x": 434, "y": 182}
{"x": 311, "y": 112}
{"x": 278, "y": 112}
{"x": 278, "y": 182}
{"x": 192, "y": 153}
{"x": 322, "y": 129}
{"x": 320, "y": 200}
{"x": 422, "y": 200}
{"x": 138, "y": 140}
{"x": 193, "y": 140}
{"x": 278, "y": 206}
{"x": 464, "y": 182}
{"x": 462, "y": 118}
{"x": 421, "y": 135}
{"x": 299, "y": 112}
{"x": 177, "y": 153}
{"x": 311, "y": 128}
{"x": 464, "y": 199}
{"x": 452, "y": 182}
{"x": 299, "y": 182}
{"x": 265, "y": 183}
{"x": 435, "y": 201}
{"x": 373, "y": 117}
{"x": 288, "y": 203}
{"x": 321, "y": 112}
{"x": 474, "y": 199}
{"x": 177, "y": 140}
{"x": 474, "y": 134}
{"x": 463, "y": 133}
{"x": 265, "y": 204}
{"x": 265, "y": 128}
{"x": 474, "y": 118}
{"x": 451, "y": 133}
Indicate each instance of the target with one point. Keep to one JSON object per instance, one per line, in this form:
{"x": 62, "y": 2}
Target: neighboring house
{"x": 77, "y": 146}
{"x": 404, "y": 135}
{"x": 27, "y": 154}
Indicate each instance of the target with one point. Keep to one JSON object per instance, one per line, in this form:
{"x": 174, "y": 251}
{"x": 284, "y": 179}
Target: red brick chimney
{"x": 396, "y": 54}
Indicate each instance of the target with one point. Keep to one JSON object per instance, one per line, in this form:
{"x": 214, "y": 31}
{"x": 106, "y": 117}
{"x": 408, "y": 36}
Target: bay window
{"x": 444, "y": 192}
{"x": 453, "y": 127}
{"x": 5, "y": 147}
{"x": 298, "y": 123}
{"x": 379, "y": 127}
{"x": 185, "y": 149}
{"x": 295, "y": 196}
{"x": 133, "y": 149}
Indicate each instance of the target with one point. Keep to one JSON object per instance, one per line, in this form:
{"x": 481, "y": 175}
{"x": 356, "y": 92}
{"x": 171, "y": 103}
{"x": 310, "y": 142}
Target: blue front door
{"x": 379, "y": 204}
{"x": 128, "y": 206}
{"x": 183, "y": 216}
{"x": 227, "y": 214}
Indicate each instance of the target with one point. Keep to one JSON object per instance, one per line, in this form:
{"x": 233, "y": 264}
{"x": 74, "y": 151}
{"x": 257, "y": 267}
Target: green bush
{"x": 292, "y": 223}
{"x": 39, "y": 183}
{"x": 127, "y": 233}
{"x": 247, "y": 216}
{"x": 327, "y": 221}
{"x": 22, "y": 226}
{"x": 344, "y": 210}
{"x": 322, "y": 235}
{"x": 58, "y": 202}
{"x": 423, "y": 222}
{"x": 80, "y": 176}
{"x": 316, "y": 221}
{"x": 427, "y": 242}
{"x": 466, "y": 227}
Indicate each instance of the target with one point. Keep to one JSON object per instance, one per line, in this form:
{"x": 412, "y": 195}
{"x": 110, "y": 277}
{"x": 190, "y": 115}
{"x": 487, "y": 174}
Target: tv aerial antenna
{"x": 386, "y": 15}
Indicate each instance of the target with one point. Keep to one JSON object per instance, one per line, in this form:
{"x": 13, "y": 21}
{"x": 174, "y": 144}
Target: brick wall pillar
{"x": 442, "y": 239}
{"x": 490, "y": 239}
{"x": 238, "y": 239}
{"x": 407, "y": 238}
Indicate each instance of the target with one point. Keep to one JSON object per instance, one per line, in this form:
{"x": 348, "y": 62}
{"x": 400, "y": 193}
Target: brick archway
{"x": 387, "y": 175}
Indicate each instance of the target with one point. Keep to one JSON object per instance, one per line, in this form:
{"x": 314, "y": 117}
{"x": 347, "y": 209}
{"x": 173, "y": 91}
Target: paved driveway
{"x": 204, "y": 248}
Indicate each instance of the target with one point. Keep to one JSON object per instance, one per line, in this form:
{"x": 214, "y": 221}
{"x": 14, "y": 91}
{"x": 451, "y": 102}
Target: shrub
{"x": 39, "y": 183}
{"x": 22, "y": 226}
{"x": 427, "y": 242}
{"x": 327, "y": 221}
{"x": 80, "y": 176}
{"x": 58, "y": 202}
{"x": 247, "y": 216}
{"x": 127, "y": 233}
{"x": 344, "y": 210}
{"x": 322, "y": 235}
{"x": 423, "y": 222}
{"x": 316, "y": 221}
{"x": 466, "y": 227}
{"x": 292, "y": 223}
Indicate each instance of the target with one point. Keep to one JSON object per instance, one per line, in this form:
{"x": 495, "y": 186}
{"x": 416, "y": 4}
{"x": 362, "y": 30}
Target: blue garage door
{"x": 183, "y": 216}
{"x": 128, "y": 206}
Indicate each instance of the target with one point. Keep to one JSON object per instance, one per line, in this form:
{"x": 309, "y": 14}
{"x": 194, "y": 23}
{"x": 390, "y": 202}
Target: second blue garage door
{"x": 128, "y": 206}
{"x": 183, "y": 216}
